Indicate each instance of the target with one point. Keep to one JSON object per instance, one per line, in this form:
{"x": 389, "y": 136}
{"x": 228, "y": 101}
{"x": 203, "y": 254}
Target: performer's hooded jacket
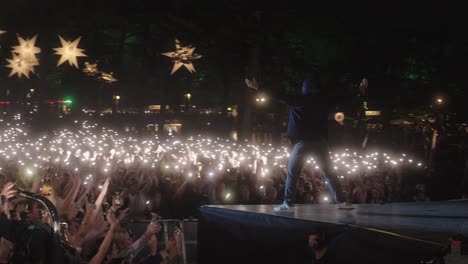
{"x": 308, "y": 117}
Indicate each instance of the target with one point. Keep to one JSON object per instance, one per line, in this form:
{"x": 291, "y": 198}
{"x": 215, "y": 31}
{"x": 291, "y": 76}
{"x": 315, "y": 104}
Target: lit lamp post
{"x": 439, "y": 100}
{"x": 30, "y": 94}
{"x": 188, "y": 96}
{"x": 260, "y": 100}
{"x": 116, "y": 103}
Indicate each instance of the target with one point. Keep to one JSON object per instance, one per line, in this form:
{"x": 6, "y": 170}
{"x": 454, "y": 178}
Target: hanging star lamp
{"x": 69, "y": 52}
{"x": 19, "y": 66}
{"x": 90, "y": 69}
{"x": 27, "y": 51}
{"x": 2, "y": 32}
{"x": 108, "y": 77}
{"x": 182, "y": 56}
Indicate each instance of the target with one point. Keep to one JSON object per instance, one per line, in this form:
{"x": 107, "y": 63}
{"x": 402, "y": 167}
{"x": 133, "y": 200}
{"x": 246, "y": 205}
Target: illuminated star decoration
{"x": 183, "y": 56}
{"x": 108, "y": 77}
{"x": 2, "y": 32}
{"x": 69, "y": 51}
{"x": 19, "y": 66}
{"x": 27, "y": 51}
{"x": 90, "y": 69}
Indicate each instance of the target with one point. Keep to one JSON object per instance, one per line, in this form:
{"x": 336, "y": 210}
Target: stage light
{"x": 339, "y": 117}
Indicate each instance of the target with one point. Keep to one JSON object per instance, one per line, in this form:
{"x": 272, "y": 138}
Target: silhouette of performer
{"x": 308, "y": 131}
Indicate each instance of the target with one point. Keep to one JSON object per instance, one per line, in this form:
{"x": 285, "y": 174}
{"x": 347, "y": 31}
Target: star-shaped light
{"x": 90, "y": 69}
{"x": 108, "y": 77}
{"x": 69, "y": 51}
{"x": 27, "y": 51}
{"x": 183, "y": 56}
{"x": 19, "y": 66}
{"x": 2, "y": 32}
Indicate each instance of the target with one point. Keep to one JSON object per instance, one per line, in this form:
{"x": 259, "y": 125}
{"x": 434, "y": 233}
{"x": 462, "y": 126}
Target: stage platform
{"x": 429, "y": 221}
{"x": 368, "y": 233}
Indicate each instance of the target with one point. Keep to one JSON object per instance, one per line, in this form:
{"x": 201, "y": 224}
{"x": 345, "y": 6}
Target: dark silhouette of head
{"x": 307, "y": 87}
{"x": 311, "y": 85}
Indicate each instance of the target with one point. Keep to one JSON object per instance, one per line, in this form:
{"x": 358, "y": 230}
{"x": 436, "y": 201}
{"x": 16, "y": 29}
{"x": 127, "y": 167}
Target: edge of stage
{"x": 416, "y": 232}
{"x": 430, "y": 221}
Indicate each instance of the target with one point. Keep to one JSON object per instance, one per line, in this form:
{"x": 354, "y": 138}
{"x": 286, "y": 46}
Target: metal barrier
{"x": 188, "y": 228}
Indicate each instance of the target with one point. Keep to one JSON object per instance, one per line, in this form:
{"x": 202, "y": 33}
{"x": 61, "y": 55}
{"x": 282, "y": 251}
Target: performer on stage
{"x": 308, "y": 131}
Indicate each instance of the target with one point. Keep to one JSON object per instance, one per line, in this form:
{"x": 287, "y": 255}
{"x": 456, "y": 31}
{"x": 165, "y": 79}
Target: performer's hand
{"x": 252, "y": 84}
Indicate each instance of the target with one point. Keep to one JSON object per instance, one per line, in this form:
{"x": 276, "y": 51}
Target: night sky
{"x": 409, "y": 53}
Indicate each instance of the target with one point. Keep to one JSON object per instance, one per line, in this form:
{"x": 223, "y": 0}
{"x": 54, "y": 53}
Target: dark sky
{"x": 410, "y": 51}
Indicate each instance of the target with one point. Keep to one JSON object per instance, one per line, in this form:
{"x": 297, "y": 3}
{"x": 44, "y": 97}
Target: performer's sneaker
{"x": 285, "y": 206}
{"x": 345, "y": 206}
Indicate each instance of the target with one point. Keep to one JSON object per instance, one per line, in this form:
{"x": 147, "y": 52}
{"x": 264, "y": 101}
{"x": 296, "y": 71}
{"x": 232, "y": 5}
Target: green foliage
{"x": 54, "y": 78}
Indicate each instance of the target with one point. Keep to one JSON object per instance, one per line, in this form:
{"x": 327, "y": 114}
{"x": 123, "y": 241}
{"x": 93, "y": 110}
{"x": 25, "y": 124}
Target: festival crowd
{"x": 101, "y": 179}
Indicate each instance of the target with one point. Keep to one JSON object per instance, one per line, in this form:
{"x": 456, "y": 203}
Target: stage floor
{"x": 429, "y": 221}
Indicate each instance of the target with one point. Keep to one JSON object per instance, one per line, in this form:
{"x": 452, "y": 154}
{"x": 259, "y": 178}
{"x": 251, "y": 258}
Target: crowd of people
{"x": 100, "y": 179}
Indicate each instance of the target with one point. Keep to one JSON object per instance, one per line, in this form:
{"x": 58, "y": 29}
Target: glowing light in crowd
{"x": 91, "y": 151}
{"x": 182, "y": 56}
{"x": 69, "y": 52}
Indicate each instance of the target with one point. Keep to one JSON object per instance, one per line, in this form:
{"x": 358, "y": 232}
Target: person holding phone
{"x": 47, "y": 186}
{"x": 308, "y": 131}
{"x": 7, "y": 193}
